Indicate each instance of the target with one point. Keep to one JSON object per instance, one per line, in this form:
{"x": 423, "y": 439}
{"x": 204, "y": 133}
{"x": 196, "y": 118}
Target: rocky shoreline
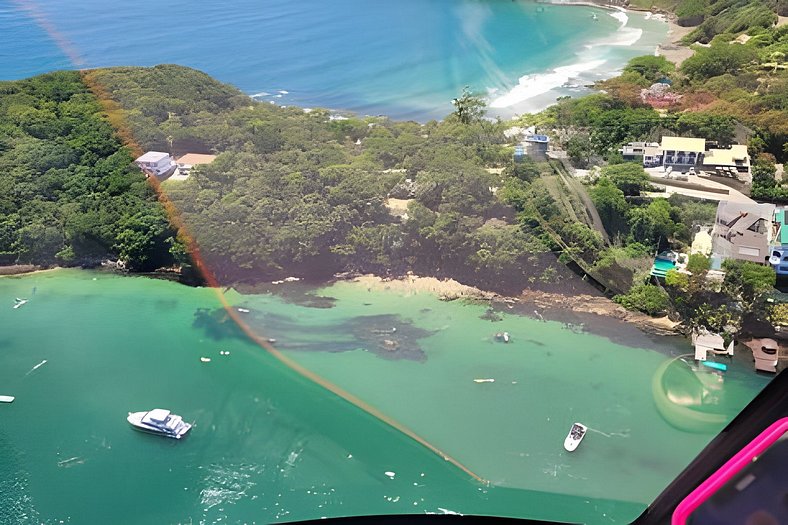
{"x": 19, "y": 269}
{"x": 450, "y": 290}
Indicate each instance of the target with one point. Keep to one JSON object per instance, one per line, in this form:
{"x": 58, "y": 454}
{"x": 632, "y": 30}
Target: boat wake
{"x": 39, "y": 365}
{"x": 624, "y": 433}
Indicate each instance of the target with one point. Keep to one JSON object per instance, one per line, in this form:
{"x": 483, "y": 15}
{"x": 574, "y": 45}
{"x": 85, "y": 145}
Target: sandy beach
{"x": 673, "y": 49}
{"x": 446, "y": 289}
{"x": 449, "y": 290}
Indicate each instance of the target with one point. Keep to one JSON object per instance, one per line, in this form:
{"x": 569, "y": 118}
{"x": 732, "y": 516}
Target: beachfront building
{"x": 156, "y": 163}
{"x": 636, "y": 151}
{"x": 682, "y": 153}
{"x": 188, "y": 161}
{"x": 743, "y": 231}
{"x": 733, "y": 161}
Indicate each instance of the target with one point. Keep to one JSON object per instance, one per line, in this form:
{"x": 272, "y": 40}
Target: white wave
{"x": 260, "y": 94}
{"x": 626, "y": 36}
{"x": 284, "y": 92}
{"x": 530, "y": 86}
{"x": 620, "y": 16}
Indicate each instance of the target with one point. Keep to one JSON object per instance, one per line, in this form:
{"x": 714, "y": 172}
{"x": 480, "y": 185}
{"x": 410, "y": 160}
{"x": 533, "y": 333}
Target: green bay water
{"x": 269, "y": 445}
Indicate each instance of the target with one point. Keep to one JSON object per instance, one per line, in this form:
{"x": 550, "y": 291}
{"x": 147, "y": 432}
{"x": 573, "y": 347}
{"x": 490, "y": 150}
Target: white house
{"x": 682, "y": 153}
{"x": 156, "y": 163}
{"x": 733, "y": 161}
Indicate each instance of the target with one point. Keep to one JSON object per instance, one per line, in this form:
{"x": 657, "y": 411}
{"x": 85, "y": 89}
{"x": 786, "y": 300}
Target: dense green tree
{"x": 646, "y": 298}
{"x": 651, "y": 68}
{"x": 67, "y": 186}
{"x": 748, "y": 280}
{"x": 580, "y": 149}
{"x": 716, "y": 60}
{"x": 469, "y": 107}
{"x": 652, "y": 225}
{"x": 611, "y": 205}
{"x": 629, "y": 177}
{"x": 698, "y": 263}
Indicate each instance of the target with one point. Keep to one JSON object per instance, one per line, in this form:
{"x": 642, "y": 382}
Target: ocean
{"x": 270, "y": 445}
{"x": 405, "y": 59}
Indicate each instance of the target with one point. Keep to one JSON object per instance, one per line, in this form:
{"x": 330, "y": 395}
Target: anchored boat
{"x": 575, "y": 436}
{"x": 161, "y": 422}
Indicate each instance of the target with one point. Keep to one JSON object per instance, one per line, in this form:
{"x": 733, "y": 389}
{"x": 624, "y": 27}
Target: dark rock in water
{"x": 387, "y": 336}
{"x": 491, "y": 315}
{"x": 217, "y": 324}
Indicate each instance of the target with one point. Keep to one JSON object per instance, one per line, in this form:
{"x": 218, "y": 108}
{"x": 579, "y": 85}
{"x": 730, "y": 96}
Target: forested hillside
{"x": 305, "y": 193}
{"x": 69, "y": 194}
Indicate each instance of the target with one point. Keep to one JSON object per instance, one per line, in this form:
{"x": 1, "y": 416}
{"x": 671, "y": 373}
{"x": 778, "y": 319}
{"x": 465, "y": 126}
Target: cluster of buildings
{"x": 163, "y": 165}
{"x": 684, "y": 153}
{"x": 745, "y": 231}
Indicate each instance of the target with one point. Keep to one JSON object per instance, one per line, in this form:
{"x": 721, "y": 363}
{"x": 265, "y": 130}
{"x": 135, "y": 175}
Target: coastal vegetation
{"x": 734, "y": 87}
{"x": 296, "y": 192}
{"x": 310, "y": 192}
{"x": 68, "y": 192}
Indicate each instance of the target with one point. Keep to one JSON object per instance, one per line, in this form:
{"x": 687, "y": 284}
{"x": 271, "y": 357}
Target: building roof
{"x": 727, "y": 157}
{"x": 683, "y": 144}
{"x": 728, "y": 211}
{"x": 196, "y": 158}
{"x": 153, "y": 156}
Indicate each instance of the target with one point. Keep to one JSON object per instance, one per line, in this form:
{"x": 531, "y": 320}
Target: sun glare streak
{"x": 116, "y": 116}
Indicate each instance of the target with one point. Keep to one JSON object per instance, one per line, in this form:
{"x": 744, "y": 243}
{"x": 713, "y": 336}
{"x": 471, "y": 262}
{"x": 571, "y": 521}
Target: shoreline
{"x": 534, "y": 92}
{"x": 671, "y": 48}
{"x": 450, "y": 290}
{"x": 24, "y": 269}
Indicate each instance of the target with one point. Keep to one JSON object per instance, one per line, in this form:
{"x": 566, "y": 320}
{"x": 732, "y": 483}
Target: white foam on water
{"x": 530, "y": 86}
{"x": 260, "y": 94}
{"x": 621, "y": 17}
{"x": 587, "y": 68}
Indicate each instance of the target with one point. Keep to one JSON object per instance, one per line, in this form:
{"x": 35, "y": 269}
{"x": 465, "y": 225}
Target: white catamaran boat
{"x": 575, "y": 436}
{"x": 159, "y": 421}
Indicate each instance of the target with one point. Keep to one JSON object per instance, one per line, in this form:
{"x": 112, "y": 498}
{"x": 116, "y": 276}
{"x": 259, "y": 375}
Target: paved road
{"x": 729, "y": 193}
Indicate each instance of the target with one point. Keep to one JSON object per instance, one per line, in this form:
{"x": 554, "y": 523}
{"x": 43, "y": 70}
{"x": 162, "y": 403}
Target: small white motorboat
{"x": 502, "y": 337}
{"x": 19, "y": 302}
{"x": 159, "y": 421}
{"x": 7, "y": 399}
{"x": 575, "y": 436}
{"x": 484, "y": 380}
{"x": 243, "y": 310}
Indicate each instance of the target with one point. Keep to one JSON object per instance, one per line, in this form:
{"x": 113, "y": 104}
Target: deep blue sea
{"x": 404, "y": 58}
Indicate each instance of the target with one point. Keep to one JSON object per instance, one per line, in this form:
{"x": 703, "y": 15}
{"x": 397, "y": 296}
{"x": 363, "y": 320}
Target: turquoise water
{"x": 407, "y": 58}
{"x": 269, "y": 445}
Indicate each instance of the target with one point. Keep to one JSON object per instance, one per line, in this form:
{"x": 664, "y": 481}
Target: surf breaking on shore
{"x": 594, "y": 61}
